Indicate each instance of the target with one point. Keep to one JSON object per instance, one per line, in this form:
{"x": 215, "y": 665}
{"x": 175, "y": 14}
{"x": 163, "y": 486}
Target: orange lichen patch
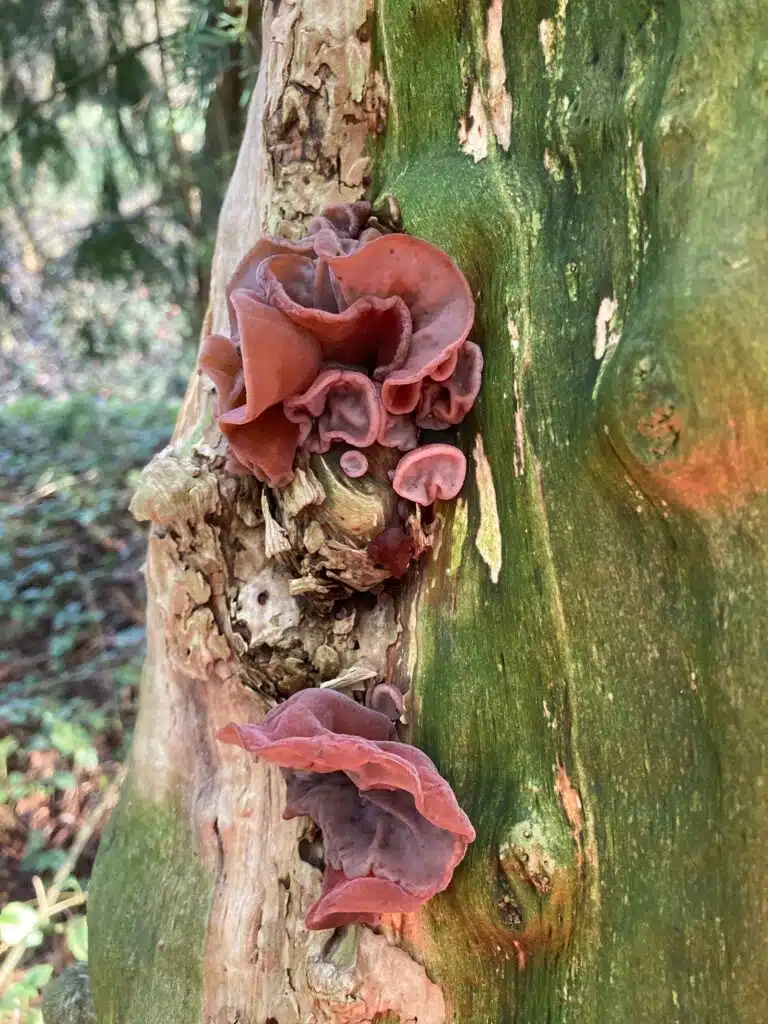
{"x": 720, "y": 474}
{"x": 570, "y": 801}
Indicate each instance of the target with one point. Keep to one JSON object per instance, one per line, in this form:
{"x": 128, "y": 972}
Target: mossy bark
{"x": 584, "y": 644}
{"x": 617, "y": 250}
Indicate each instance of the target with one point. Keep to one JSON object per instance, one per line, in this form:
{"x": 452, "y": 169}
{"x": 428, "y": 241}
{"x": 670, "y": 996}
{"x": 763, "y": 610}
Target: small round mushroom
{"x": 429, "y": 473}
{"x": 354, "y": 463}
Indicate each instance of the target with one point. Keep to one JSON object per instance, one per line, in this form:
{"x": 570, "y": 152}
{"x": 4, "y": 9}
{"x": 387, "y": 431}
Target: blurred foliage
{"x": 71, "y": 615}
{"x": 70, "y": 605}
{"x": 120, "y": 122}
{"x": 119, "y": 125}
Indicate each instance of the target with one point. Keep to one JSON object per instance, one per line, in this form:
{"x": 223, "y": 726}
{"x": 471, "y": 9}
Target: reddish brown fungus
{"x": 279, "y": 358}
{"x": 393, "y": 830}
{"x": 434, "y": 290}
{"x": 386, "y": 699}
{"x": 429, "y": 473}
{"x": 445, "y": 402}
{"x": 393, "y": 550}
{"x": 342, "y": 901}
{"x": 388, "y": 315}
{"x": 396, "y": 431}
{"x": 251, "y": 382}
{"x": 346, "y": 219}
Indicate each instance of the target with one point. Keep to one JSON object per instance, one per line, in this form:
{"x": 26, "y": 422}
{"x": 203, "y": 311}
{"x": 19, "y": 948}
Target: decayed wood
{"x": 225, "y": 621}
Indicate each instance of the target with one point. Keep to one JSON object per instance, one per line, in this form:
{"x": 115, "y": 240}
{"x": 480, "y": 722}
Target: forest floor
{"x": 94, "y": 358}
{"x": 72, "y": 629}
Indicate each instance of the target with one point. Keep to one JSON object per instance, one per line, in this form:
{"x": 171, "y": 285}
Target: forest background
{"x": 119, "y": 125}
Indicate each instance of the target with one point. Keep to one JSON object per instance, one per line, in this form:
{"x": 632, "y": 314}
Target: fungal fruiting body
{"x": 430, "y": 472}
{"x": 392, "y": 549}
{"x": 354, "y": 464}
{"x": 393, "y": 830}
{"x": 347, "y": 335}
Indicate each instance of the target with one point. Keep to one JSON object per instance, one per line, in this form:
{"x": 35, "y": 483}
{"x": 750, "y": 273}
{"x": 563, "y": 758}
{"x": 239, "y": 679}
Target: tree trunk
{"x": 583, "y": 641}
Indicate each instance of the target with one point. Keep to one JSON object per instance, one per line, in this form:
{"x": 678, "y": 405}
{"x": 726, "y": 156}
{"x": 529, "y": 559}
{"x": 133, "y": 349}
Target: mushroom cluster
{"x": 392, "y": 828}
{"x": 347, "y": 335}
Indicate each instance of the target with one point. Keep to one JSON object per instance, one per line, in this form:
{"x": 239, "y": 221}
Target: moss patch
{"x": 147, "y": 916}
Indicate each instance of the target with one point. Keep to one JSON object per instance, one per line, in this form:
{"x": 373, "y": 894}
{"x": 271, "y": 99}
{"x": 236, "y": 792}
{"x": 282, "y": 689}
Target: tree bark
{"x": 583, "y": 641}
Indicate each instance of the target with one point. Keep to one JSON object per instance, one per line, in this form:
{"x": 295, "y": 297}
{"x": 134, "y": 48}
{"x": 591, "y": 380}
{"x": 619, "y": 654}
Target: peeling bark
{"x": 229, "y": 624}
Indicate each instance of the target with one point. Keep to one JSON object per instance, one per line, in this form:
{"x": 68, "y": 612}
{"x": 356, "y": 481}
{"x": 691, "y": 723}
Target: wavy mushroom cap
{"x": 347, "y": 220}
{"x": 437, "y": 295}
{"x": 396, "y": 431}
{"x": 279, "y": 359}
{"x": 373, "y": 332}
{"x": 393, "y": 830}
{"x": 387, "y": 699}
{"x": 342, "y": 899}
{"x": 446, "y": 402}
{"x": 275, "y": 359}
{"x": 335, "y": 231}
{"x": 429, "y": 473}
{"x": 339, "y": 405}
{"x": 389, "y": 312}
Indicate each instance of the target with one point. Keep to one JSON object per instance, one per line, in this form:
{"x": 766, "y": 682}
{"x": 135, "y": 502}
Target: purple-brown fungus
{"x": 346, "y": 335}
{"x": 393, "y": 830}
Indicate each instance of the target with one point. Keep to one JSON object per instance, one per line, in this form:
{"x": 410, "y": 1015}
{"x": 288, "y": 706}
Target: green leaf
{"x": 18, "y": 923}
{"x": 66, "y": 737}
{"x": 87, "y": 757}
{"x": 62, "y": 644}
{"x": 77, "y": 937}
{"x": 38, "y": 975}
{"x": 64, "y": 781}
{"x": 37, "y": 857}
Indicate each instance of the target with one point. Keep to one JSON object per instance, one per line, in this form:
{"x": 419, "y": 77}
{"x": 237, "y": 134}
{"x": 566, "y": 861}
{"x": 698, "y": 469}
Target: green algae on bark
{"x": 147, "y": 917}
{"x": 596, "y": 696}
